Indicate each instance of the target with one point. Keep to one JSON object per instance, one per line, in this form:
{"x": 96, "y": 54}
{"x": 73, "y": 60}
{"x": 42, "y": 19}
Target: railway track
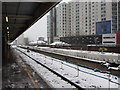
{"x": 62, "y": 77}
{"x": 84, "y": 63}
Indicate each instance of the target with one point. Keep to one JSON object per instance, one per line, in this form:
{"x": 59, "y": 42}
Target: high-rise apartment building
{"x": 109, "y": 19}
{"x": 77, "y": 18}
{"x": 87, "y": 18}
{"x": 51, "y": 25}
{"x": 116, "y": 16}
{"x": 72, "y": 18}
{"x": 62, "y": 20}
{"x": 90, "y": 14}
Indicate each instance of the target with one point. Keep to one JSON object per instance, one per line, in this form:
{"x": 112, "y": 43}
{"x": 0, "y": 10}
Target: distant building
{"x": 40, "y": 38}
{"x": 15, "y": 42}
{"x": 56, "y": 39}
{"x": 26, "y": 41}
{"x": 20, "y": 40}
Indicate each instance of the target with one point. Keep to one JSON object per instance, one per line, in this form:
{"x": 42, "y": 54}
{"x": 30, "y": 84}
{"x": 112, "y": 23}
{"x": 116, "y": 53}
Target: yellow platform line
{"x": 31, "y": 78}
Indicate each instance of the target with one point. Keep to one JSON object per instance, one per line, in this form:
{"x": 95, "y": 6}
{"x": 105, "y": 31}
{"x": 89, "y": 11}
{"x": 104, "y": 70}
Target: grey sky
{"x": 39, "y": 29}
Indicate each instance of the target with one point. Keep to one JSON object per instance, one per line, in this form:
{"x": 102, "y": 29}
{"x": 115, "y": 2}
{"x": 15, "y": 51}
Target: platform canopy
{"x": 19, "y": 16}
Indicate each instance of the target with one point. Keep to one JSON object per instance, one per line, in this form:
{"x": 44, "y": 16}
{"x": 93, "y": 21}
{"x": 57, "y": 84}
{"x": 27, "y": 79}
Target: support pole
{"x": 118, "y": 82}
{"x": 77, "y": 70}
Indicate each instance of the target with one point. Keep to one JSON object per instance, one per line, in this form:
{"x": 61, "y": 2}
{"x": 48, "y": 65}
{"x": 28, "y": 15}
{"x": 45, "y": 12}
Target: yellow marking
{"x": 31, "y": 78}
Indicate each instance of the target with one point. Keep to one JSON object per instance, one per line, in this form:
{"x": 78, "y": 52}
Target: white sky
{"x": 39, "y": 29}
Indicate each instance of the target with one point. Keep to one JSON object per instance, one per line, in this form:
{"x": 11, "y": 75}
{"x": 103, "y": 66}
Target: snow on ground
{"x": 53, "y": 79}
{"x": 115, "y": 68}
{"x": 83, "y": 78}
{"x": 92, "y": 52}
{"x": 60, "y": 43}
{"x": 71, "y": 55}
{"x": 86, "y": 55}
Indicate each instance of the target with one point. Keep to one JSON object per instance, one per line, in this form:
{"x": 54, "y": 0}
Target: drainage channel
{"x": 65, "y": 79}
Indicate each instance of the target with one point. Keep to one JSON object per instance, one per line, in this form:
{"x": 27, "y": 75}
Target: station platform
{"x": 16, "y": 74}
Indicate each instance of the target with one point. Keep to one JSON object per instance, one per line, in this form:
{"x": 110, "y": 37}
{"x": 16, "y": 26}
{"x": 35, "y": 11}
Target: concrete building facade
{"x": 87, "y": 18}
{"x": 80, "y": 18}
{"x": 62, "y": 20}
{"x": 51, "y": 25}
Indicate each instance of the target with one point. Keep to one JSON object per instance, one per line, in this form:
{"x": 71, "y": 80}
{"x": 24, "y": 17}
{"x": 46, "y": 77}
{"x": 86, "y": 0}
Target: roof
{"x": 21, "y": 15}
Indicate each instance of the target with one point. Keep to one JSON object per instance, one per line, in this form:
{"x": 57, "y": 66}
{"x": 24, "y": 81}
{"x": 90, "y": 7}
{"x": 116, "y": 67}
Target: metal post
{"x": 61, "y": 65}
{"x": 35, "y": 55}
{"x": 118, "y": 82}
{"x": 52, "y": 61}
{"x": 109, "y": 81}
{"x": 77, "y": 70}
{"x": 45, "y": 60}
{"x": 1, "y": 47}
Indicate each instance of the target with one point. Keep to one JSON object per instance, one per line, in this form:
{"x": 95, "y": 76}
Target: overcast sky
{"x": 39, "y": 29}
